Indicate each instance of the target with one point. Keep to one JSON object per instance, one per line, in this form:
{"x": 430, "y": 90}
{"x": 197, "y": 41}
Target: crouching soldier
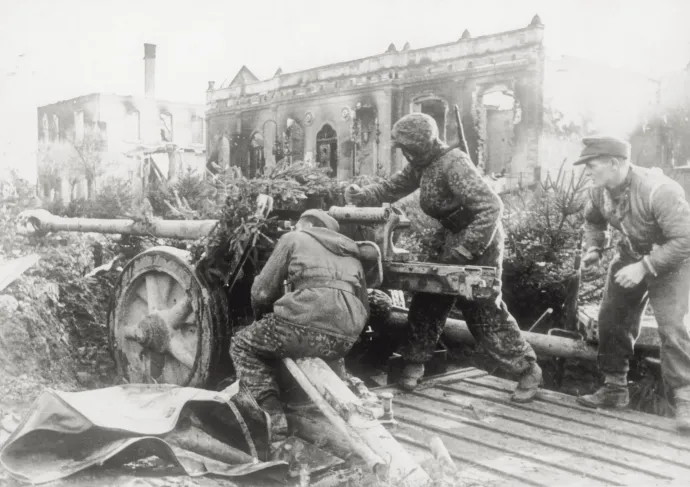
{"x": 453, "y": 191}
{"x": 320, "y": 314}
{"x": 652, "y": 264}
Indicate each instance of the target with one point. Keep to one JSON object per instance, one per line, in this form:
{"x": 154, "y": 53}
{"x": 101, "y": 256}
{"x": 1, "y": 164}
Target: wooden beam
{"x": 328, "y": 384}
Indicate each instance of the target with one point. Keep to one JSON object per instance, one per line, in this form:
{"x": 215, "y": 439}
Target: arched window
{"x": 327, "y": 149}
{"x": 166, "y": 126}
{"x": 498, "y": 103}
{"x": 436, "y": 108}
{"x": 257, "y": 161}
{"x": 295, "y": 137}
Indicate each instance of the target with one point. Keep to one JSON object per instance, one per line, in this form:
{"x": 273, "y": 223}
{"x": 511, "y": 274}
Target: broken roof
{"x": 243, "y": 76}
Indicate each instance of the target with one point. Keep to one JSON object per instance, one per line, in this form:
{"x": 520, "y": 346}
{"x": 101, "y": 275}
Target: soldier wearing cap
{"x": 454, "y": 192}
{"x": 652, "y": 264}
{"x": 310, "y": 300}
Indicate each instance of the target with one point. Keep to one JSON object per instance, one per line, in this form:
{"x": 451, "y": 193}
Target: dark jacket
{"x": 328, "y": 290}
{"x": 453, "y": 191}
{"x": 651, "y": 212}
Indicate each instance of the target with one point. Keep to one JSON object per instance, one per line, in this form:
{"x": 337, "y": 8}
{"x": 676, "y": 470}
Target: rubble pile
{"x": 52, "y": 317}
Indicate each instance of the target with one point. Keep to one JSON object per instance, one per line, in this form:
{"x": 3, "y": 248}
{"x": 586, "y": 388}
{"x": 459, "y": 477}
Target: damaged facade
{"x": 340, "y": 116}
{"x": 122, "y": 126}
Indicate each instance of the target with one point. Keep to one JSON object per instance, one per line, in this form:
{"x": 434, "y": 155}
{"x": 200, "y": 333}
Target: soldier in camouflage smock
{"x": 453, "y": 191}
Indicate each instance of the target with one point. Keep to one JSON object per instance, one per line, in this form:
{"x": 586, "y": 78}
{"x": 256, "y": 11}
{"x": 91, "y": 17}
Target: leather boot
{"x": 411, "y": 375}
{"x": 610, "y": 396}
{"x": 682, "y": 396}
{"x": 279, "y": 426}
{"x": 528, "y": 385}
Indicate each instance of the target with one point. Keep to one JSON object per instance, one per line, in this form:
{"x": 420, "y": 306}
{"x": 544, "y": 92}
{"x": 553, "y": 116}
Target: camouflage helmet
{"x": 417, "y": 134}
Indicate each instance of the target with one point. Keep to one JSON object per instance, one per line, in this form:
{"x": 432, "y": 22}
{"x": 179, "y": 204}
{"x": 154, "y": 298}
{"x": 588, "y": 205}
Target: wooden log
{"x": 315, "y": 428}
{"x": 401, "y": 464}
{"x": 373, "y": 461}
{"x": 456, "y": 331}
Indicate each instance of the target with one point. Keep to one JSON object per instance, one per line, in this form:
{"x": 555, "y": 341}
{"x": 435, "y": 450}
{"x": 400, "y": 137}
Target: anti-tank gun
{"x": 166, "y": 324}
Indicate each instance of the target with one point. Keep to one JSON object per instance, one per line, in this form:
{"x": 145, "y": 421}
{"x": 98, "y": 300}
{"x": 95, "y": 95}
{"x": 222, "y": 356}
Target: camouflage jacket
{"x": 651, "y": 212}
{"x": 452, "y": 191}
{"x": 325, "y": 282}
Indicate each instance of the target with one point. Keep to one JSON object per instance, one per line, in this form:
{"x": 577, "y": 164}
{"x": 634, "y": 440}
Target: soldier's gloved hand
{"x": 590, "y": 263}
{"x": 354, "y": 195}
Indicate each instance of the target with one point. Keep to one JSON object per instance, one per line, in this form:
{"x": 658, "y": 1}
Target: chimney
{"x": 150, "y": 70}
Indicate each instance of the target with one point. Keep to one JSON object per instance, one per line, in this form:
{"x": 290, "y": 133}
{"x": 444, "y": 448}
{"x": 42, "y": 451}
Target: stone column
{"x": 472, "y": 116}
{"x": 528, "y": 119}
{"x": 397, "y": 161}
{"x": 384, "y": 163}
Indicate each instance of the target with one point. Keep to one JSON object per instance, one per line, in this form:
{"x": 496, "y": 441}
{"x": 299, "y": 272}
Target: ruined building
{"x": 101, "y": 134}
{"x": 340, "y": 116}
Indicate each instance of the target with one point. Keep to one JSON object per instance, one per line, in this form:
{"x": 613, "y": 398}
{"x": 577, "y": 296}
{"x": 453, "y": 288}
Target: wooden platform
{"x": 552, "y": 441}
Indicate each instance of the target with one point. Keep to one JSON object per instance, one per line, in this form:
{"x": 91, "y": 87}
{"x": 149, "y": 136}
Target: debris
{"x": 441, "y": 452}
{"x": 315, "y": 377}
{"x": 8, "y": 304}
{"x": 373, "y": 461}
{"x": 10, "y": 271}
{"x": 388, "y": 416}
{"x": 112, "y": 265}
{"x": 92, "y": 427}
{"x": 9, "y": 422}
{"x": 305, "y": 458}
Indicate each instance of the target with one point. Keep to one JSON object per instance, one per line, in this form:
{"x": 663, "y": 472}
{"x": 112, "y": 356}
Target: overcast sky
{"x": 53, "y": 50}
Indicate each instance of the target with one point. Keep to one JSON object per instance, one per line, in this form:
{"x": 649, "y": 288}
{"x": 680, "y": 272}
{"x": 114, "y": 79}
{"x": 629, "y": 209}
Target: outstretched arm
{"x": 398, "y": 186}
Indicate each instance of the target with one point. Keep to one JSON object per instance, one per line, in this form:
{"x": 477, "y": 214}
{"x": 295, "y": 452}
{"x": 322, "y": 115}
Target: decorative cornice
{"x": 520, "y": 41}
{"x": 328, "y": 89}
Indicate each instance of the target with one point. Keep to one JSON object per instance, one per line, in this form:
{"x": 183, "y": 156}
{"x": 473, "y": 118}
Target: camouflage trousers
{"x": 491, "y": 325}
{"x": 256, "y": 351}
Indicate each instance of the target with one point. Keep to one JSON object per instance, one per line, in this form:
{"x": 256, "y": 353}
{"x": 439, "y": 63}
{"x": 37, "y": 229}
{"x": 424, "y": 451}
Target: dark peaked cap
{"x": 603, "y": 145}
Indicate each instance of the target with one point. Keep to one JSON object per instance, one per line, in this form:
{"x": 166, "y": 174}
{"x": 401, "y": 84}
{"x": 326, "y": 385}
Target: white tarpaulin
{"x": 66, "y": 432}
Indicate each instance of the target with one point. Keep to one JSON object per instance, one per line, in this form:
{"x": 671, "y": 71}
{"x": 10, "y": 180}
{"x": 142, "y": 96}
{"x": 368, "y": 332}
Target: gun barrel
{"x": 362, "y": 215}
{"x": 43, "y": 221}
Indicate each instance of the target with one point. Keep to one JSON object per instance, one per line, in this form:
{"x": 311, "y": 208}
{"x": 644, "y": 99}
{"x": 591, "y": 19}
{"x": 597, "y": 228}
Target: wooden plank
{"x": 512, "y": 468}
{"x": 552, "y": 441}
{"x": 625, "y": 416}
{"x": 609, "y": 447}
{"x": 447, "y": 377}
{"x": 469, "y": 474}
{"x": 531, "y": 462}
{"x": 577, "y": 417}
{"x": 485, "y": 409}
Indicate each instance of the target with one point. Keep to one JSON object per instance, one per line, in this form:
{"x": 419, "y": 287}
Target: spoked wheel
{"x": 162, "y": 326}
